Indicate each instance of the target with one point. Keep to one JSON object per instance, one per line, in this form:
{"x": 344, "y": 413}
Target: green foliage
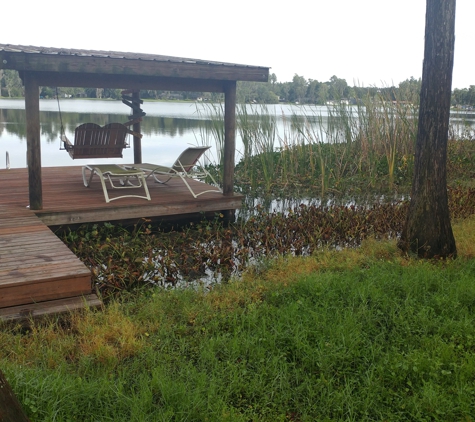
{"x": 299, "y": 90}
{"x": 349, "y": 335}
{"x": 10, "y": 83}
{"x": 144, "y": 256}
{"x": 350, "y": 148}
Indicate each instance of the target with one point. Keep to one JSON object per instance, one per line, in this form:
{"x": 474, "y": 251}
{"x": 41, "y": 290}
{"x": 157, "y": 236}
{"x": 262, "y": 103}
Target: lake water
{"x": 168, "y": 128}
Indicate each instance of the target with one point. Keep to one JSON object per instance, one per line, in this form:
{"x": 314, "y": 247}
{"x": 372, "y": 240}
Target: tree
{"x": 338, "y": 88}
{"x": 10, "y": 407}
{"x": 298, "y": 88}
{"x": 323, "y": 93}
{"x": 13, "y": 84}
{"x": 409, "y": 90}
{"x": 427, "y": 231}
{"x": 313, "y": 91}
{"x": 265, "y": 95}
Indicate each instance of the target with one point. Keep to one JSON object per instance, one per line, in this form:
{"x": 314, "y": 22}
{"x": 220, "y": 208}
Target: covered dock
{"x": 57, "y": 196}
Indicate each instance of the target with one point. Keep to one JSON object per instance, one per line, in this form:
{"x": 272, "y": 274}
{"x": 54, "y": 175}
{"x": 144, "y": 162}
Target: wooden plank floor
{"x": 35, "y": 265}
{"x": 66, "y": 200}
{"x": 38, "y": 273}
{"x": 23, "y": 313}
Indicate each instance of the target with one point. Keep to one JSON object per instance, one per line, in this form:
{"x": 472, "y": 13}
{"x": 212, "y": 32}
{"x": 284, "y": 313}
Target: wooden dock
{"x": 38, "y": 273}
{"x": 36, "y": 267}
{"x": 66, "y": 201}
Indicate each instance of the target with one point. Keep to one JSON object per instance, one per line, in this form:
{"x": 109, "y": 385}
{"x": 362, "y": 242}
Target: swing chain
{"x": 60, "y": 119}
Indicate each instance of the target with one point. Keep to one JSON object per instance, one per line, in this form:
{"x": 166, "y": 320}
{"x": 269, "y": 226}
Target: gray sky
{"x": 366, "y": 42}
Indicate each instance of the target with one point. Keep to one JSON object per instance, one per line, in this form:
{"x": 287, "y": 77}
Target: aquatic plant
{"x": 210, "y": 251}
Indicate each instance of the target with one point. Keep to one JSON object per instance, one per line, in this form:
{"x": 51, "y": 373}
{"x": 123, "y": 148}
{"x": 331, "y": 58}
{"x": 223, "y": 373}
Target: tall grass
{"x": 213, "y": 131}
{"x": 372, "y": 141}
{"x": 342, "y": 148}
{"x": 388, "y": 127}
{"x": 257, "y": 130}
{"x": 358, "y": 334}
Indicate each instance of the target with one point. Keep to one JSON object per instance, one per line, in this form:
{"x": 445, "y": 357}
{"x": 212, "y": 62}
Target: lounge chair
{"x": 113, "y": 172}
{"x": 186, "y": 166}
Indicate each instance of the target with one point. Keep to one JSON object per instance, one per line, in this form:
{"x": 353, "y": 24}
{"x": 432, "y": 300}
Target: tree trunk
{"x": 428, "y": 231}
{"x": 10, "y": 408}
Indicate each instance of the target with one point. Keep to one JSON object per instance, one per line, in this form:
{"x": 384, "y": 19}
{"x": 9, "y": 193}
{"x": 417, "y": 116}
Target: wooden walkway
{"x": 38, "y": 273}
{"x": 37, "y": 267}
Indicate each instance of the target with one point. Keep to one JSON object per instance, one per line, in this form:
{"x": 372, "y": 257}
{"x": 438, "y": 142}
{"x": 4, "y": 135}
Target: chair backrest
{"x": 188, "y": 158}
{"x": 94, "y": 141}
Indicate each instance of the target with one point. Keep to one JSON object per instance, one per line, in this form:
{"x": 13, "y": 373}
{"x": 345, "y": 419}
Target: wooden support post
{"x": 33, "y": 140}
{"x": 229, "y": 137}
{"x": 136, "y": 128}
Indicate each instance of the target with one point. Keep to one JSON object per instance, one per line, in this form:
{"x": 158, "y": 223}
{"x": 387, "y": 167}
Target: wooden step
{"x": 35, "y": 265}
{"x": 58, "y": 306}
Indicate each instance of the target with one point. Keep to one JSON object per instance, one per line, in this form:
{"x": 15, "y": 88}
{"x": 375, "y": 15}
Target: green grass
{"x": 359, "y": 334}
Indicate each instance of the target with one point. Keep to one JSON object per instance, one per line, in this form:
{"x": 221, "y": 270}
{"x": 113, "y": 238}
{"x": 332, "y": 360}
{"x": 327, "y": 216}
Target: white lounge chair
{"x": 186, "y": 166}
{"x": 113, "y": 172}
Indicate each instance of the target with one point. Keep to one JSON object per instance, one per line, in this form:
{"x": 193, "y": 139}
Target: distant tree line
{"x": 299, "y": 90}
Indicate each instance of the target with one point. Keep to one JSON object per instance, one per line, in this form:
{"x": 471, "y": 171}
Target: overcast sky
{"x": 366, "y": 42}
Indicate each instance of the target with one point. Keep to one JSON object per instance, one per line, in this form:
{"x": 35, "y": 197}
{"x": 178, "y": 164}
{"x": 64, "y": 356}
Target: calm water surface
{"x": 168, "y": 128}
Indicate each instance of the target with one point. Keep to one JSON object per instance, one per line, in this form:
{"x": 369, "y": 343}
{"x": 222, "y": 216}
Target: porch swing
{"x": 94, "y": 141}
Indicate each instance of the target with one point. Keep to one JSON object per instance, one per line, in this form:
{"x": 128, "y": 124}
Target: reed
{"x": 213, "y": 130}
{"x": 391, "y": 124}
{"x": 339, "y": 149}
{"x": 305, "y": 149}
{"x": 257, "y": 130}
{"x": 369, "y": 141}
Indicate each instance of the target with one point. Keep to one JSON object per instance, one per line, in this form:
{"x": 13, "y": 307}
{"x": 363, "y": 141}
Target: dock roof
{"x": 113, "y": 69}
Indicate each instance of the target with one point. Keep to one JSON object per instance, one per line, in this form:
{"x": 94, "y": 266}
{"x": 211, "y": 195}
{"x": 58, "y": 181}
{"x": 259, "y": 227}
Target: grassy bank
{"x": 357, "y": 334}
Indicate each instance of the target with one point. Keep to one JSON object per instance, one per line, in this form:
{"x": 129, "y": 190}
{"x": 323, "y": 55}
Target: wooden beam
{"x": 137, "y": 66}
{"x": 229, "y": 137}
{"x": 83, "y": 80}
{"x": 32, "y": 112}
{"x": 24, "y": 314}
{"x": 137, "y": 140}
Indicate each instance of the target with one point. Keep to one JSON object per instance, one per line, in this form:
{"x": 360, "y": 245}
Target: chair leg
{"x": 187, "y": 185}
{"x": 87, "y": 182}
{"x": 158, "y": 180}
{"x": 84, "y": 179}
{"x": 141, "y": 183}
{"x": 104, "y": 187}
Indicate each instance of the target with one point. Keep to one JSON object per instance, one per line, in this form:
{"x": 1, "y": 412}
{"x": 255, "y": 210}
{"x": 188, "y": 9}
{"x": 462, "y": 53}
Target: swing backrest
{"x": 94, "y": 141}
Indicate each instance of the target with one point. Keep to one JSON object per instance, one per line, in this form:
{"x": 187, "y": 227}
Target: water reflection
{"x": 168, "y": 127}
{"x": 165, "y": 135}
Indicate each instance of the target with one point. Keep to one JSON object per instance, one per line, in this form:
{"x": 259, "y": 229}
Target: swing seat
{"x": 128, "y": 179}
{"x": 94, "y": 141}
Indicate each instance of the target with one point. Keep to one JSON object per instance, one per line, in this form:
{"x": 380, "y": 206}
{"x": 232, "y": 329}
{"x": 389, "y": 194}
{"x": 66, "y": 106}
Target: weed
{"x": 355, "y": 334}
